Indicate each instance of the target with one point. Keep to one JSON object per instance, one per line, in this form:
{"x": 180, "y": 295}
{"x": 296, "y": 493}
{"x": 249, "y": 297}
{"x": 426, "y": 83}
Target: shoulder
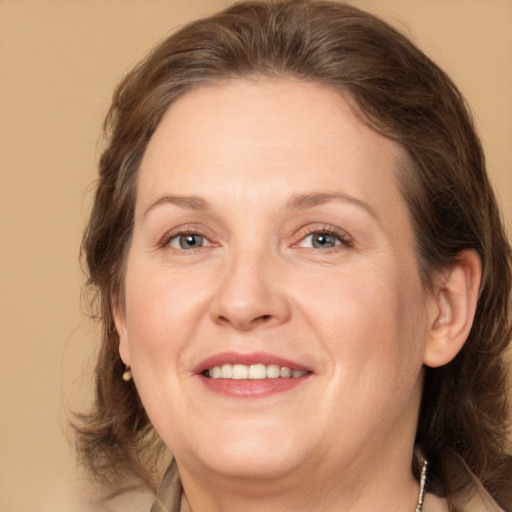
{"x": 477, "y": 499}
{"x": 131, "y": 499}
{"x": 169, "y": 493}
{"x": 473, "y": 498}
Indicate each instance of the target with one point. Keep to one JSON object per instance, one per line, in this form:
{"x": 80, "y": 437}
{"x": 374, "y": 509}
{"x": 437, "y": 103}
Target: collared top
{"x": 475, "y": 499}
{"x": 169, "y": 494}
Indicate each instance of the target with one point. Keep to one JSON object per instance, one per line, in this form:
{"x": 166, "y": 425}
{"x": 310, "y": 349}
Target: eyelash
{"x": 345, "y": 240}
{"x": 182, "y": 231}
{"x": 341, "y": 236}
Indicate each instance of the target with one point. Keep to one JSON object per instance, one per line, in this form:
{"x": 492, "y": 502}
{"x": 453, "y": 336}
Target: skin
{"x": 274, "y": 162}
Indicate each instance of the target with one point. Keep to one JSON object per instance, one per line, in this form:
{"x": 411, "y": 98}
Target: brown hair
{"x": 402, "y": 94}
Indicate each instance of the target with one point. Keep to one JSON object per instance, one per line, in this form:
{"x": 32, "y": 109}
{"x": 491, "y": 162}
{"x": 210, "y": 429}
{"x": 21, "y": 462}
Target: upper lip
{"x": 247, "y": 359}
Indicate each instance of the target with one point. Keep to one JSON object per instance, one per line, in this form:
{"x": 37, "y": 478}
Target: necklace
{"x": 423, "y": 479}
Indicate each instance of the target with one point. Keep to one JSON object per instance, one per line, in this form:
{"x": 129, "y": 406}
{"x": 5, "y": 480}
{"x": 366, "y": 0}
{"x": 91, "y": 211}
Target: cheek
{"x": 367, "y": 316}
{"x": 163, "y": 314}
{"x": 163, "y": 311}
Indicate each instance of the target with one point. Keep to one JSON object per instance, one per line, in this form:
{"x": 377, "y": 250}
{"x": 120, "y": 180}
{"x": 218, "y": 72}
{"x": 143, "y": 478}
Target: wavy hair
{"x": 399, "y": 92}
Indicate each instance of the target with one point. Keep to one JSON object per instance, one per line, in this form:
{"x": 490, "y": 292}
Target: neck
{"x": 377, "y": 486}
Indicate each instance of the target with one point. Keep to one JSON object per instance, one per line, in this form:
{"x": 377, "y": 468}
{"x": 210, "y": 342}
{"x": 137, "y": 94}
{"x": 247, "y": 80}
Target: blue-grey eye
{"x": 188, "y": 241}
{"x": 320, "y": 241}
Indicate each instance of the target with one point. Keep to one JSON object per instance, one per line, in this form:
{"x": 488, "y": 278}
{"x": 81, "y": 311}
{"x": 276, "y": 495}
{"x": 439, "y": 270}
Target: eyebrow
{"x": 185, "y": 202}
{"x": 296, "y": 202}
{"x": 306, "y": 201}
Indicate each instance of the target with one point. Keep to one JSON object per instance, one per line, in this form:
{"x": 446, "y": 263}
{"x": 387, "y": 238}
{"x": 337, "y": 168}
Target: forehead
{"x": 270, "y": 117}
{"x": 261, "y": 136}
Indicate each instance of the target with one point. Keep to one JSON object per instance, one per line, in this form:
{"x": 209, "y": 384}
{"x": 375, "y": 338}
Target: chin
{"x": 253, "y": 466}
{"x": 249, "y": 454}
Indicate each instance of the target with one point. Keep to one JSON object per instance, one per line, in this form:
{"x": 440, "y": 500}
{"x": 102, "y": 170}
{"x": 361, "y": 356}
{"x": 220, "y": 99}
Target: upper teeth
{"x": 254, "y": 371}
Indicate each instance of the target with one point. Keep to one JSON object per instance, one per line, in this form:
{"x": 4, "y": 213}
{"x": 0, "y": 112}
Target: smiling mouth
{"x": 253, "y": 372}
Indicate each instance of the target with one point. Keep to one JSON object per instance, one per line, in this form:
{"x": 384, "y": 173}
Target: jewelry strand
{"x": 423, "y": 479}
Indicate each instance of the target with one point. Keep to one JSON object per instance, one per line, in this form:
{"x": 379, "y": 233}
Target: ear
{"x": 452, "y": 309}
{"x": 118, "y": 312}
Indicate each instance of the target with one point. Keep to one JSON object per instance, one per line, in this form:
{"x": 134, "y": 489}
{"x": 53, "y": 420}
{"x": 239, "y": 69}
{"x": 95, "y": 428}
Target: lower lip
{"x": 252, "y": 388}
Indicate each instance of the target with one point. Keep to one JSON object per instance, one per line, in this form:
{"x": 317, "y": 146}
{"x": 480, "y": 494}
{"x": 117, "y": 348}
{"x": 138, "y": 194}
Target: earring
{"x": 127, "y": 375}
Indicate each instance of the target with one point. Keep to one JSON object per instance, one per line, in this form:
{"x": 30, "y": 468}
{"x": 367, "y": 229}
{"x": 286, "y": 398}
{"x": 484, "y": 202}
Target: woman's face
{"x": 271, "y": 238}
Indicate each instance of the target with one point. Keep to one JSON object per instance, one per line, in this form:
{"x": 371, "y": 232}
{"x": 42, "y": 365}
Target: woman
{"x": 303, "y": 276}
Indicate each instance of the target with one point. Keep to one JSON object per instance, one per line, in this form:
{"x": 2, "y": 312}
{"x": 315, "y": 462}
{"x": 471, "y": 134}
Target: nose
{"x": 250, "y": 293}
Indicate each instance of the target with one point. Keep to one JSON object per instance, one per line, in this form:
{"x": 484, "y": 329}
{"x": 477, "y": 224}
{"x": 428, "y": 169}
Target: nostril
{"x": 244, "y": 323}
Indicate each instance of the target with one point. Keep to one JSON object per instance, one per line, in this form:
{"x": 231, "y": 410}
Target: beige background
{"x": 59, "y": 62}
